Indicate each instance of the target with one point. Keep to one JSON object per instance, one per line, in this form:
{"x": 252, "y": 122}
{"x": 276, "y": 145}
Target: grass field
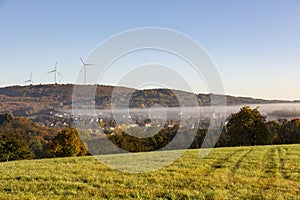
{"x": 262, "y": 172}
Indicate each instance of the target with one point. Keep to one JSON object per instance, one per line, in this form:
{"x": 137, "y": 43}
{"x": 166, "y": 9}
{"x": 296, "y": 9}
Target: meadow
{"x": 260, "y": 172}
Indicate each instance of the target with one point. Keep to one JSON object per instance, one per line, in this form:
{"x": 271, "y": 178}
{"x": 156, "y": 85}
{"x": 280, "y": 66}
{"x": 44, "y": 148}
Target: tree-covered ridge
{"x": 40, "y": 99}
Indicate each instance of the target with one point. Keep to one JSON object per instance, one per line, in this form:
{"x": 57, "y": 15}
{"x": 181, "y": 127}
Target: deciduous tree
{"x": 248, "y": 127}
{"x": 14, "y": 147}
{"x": 67, "y": 143}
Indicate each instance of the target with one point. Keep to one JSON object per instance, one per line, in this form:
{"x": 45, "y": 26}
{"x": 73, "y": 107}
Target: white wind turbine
{"x": 84, "y": 69}
{"x": 29, "y": 80}
{"x": 55, "y": 72}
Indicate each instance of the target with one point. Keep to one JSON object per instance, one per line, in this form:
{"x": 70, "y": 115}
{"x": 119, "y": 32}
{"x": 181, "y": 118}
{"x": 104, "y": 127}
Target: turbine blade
{"x": 82, "y": 61}
{"x": 58, "y": 73}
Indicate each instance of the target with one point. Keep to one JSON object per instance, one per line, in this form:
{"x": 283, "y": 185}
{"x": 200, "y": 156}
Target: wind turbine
{"x": 29, "y": 80}
{"x": 84, "y": 69}
{"x": 55, "y": 72}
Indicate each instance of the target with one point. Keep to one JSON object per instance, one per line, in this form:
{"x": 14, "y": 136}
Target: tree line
{"x": 244, "y": 128}
{"x": 248, "y": 127}
{"x": 21, "y": 138}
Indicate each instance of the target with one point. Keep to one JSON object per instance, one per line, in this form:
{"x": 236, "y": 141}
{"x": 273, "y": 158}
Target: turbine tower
{"x": 29, "y": 80}
{"x": 84, "y": 70}
{"x": 55, "y": 72}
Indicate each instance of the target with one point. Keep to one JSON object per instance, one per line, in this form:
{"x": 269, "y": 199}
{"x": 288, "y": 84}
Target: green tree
{"x": 67, "y": 143}
{"x": 285, "y": 131}
{"x": 275, "y": 128}
{"x": 248, "y": 127}
{"x": 290, "y": 131}
{"x": 14, "y": 147}
{"x": 7, "y": 117}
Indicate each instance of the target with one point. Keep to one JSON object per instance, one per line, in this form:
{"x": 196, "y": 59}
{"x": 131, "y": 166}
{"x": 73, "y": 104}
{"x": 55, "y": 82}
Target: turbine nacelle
{"x": 84, "y": 69}
{"x": 55, "y": 72}
{"x": 29, "y": 80}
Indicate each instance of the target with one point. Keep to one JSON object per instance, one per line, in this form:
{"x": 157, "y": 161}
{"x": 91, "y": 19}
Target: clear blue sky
{"x": 254, "y": 44}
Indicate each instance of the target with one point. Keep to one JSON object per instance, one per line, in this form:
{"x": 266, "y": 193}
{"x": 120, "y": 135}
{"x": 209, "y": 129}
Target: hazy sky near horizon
{"x": 254, "y": 44}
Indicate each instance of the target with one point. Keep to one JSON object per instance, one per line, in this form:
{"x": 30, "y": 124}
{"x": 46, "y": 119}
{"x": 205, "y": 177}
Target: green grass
{"x": 262, "y": 172}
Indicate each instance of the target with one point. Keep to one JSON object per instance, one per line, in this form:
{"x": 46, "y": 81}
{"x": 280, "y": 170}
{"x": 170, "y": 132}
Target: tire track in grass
{"x": 271, "y": 178}
{"x": 222, "y": 161}
{"x": 271, "y": 163}
{"x": 238, "y": 163}
{"x": 281, "y": 155}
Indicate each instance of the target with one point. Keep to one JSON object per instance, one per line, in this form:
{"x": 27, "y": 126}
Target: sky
{"x": 255, "y": 45}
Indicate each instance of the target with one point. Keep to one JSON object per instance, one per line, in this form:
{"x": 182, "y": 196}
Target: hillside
{"x": 260, "y": 172}
{"x": 41, "y": 99}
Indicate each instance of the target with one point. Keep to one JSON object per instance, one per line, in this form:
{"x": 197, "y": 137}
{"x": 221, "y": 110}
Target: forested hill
{"x": 37, "y": 99}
